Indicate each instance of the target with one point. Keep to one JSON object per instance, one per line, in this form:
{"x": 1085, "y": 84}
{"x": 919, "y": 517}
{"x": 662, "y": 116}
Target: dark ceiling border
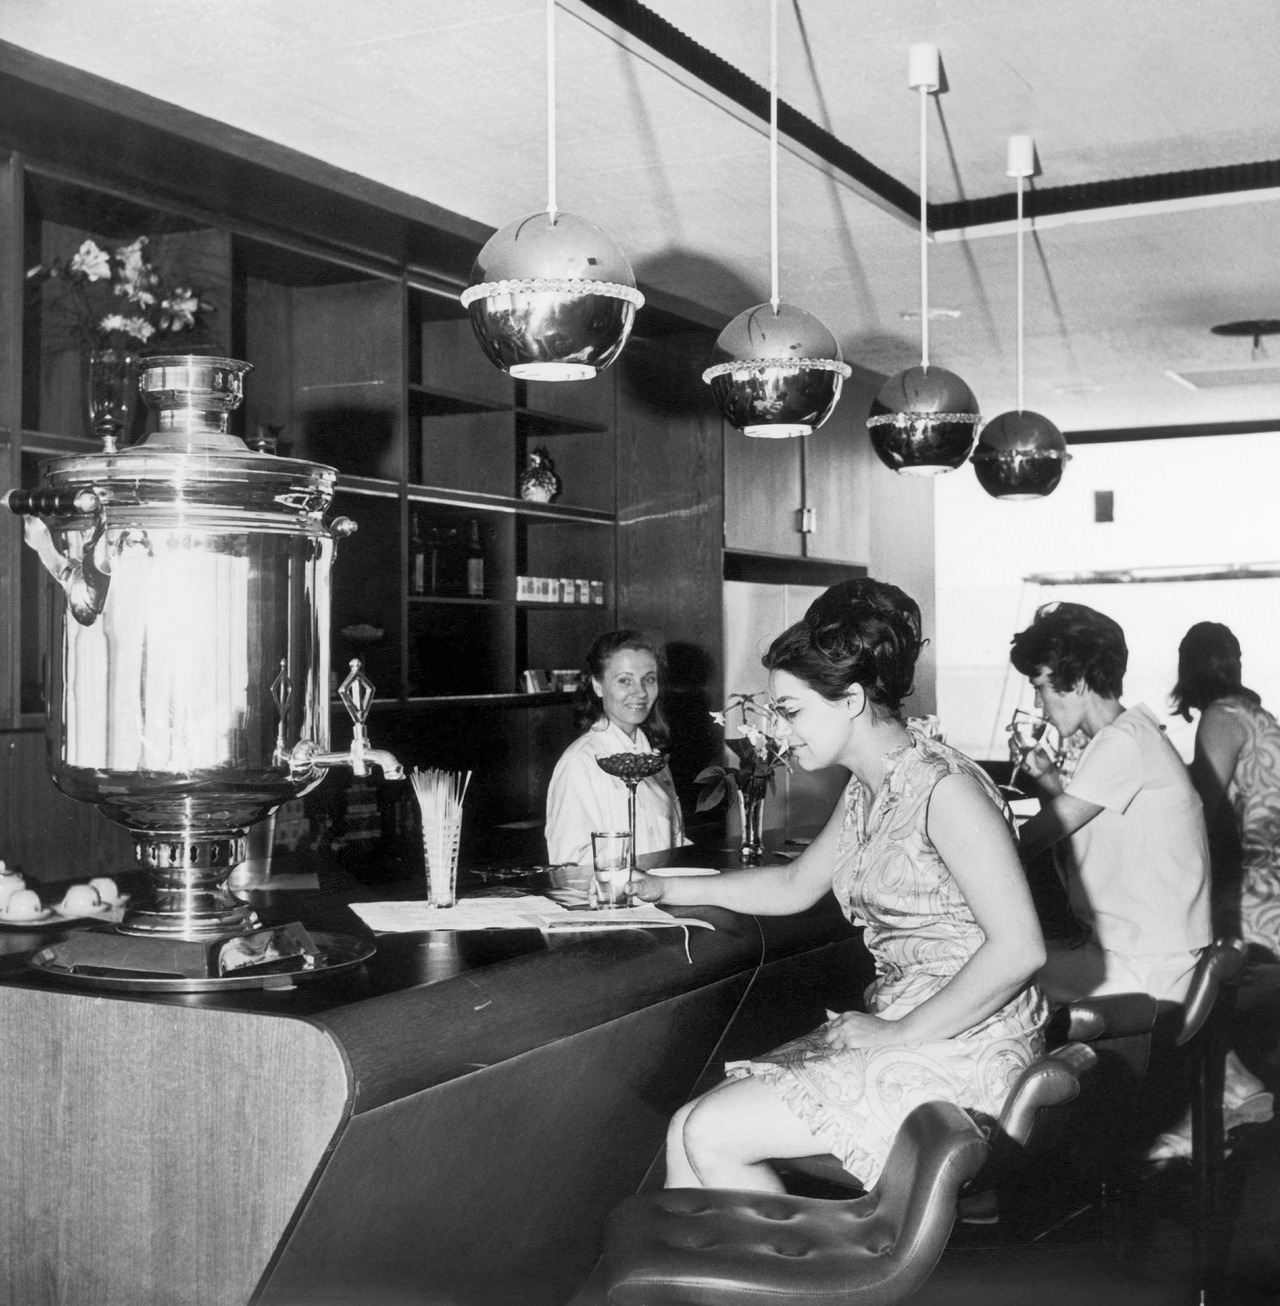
{"x": 1156, "y": 188}
{"x": 671, "y": 43}
{"x": 1039, "y": 202}
{"x": 1115, "y": 435}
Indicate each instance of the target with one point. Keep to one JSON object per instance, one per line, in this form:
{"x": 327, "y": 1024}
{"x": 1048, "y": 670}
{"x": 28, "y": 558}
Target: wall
{"x": 1177, "y": 503}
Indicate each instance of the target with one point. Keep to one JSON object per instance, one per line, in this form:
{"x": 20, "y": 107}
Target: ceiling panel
{"x": 446, "y": 101}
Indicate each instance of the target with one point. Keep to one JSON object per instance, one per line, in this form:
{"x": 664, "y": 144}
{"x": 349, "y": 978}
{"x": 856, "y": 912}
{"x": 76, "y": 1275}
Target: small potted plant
{"x": 761, "y": 754}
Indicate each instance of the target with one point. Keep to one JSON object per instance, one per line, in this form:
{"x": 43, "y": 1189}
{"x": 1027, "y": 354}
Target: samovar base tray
{"x": 278, "y": 958}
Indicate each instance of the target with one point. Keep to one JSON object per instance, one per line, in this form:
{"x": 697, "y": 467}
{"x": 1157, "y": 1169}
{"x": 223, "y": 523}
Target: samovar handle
{"x": 84, "y": 581}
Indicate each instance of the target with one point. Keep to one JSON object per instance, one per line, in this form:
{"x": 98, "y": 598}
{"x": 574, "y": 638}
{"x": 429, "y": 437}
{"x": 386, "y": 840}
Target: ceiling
{"x": 446, "y": 101}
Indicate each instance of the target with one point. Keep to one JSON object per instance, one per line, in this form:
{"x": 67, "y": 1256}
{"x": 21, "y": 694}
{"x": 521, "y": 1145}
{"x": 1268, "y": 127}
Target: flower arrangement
{"x": 761, "y": 753}
{"x": 116, "y": 298}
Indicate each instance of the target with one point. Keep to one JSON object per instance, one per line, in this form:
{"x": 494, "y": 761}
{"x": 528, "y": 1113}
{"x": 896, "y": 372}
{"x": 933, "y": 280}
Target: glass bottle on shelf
{"x": 475, "y": 563}
{"x": 417, "y": 557}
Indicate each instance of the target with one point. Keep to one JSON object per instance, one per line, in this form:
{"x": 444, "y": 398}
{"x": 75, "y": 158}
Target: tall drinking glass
{"x": 611, "y": 857}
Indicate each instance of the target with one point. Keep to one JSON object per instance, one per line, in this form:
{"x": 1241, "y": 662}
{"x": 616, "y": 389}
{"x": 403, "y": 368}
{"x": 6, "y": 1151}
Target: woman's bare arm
{"x": 759, "y": 890}
{"x": 1219, "y": 739}
{"x": 975, "y": 843}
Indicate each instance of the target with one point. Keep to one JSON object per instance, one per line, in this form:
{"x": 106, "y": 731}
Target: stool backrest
{"x": 1220, "y": 964}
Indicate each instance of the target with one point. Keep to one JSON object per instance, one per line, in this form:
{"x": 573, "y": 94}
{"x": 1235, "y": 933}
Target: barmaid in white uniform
{"x": 619, "y": 697}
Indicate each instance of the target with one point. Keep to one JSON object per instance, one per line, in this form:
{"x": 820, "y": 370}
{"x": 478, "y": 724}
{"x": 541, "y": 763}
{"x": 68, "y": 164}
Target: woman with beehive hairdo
{"x": 920, "y": 851}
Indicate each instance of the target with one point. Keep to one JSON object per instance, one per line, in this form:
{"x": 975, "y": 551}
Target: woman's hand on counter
{"x": 646, "y": 888}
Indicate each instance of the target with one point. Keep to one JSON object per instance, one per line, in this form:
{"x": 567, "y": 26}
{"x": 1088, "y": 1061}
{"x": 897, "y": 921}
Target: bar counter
{"x": 449, "y": 1123}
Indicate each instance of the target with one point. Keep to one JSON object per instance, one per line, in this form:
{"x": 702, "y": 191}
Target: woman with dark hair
{"x": 921, "y": 852}
{"x": 1236, "y": 772}
{"x": 1127, "y": 826}
{"x": 618, "y": 695}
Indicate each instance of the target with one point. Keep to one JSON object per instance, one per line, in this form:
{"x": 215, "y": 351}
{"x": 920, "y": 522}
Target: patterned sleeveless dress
{"x": 920, "y": 932}
{"x": 1254, "y": 793}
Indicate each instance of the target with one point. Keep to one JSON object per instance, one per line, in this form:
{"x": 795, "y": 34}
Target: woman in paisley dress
{"x": 920, "y": 851}
{"x": 1236, "y": 771}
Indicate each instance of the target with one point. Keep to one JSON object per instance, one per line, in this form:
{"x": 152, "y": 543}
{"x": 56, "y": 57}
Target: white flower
{"x": 178, "y": 312}
{"x": 718, "y": 718}
{"x": 138, "y": 327}
{"x": 91, "y": 262}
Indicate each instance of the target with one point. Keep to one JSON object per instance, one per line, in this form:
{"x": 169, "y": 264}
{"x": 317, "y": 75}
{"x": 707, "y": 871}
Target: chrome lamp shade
{"x": 923, "y": 421}
{"x": 776, "y": 373}
{"x": 1020, "y": 455}
{"x": 551, "y": 298}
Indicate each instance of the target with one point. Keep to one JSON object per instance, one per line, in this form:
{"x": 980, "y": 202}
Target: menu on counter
{"x": 527, "y": 912}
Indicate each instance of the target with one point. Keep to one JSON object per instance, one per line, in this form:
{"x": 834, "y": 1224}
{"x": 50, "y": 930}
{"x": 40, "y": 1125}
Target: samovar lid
{"x": 191, "y": 461}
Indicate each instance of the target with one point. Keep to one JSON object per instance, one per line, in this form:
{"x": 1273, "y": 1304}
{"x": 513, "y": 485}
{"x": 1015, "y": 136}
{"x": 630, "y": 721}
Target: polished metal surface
{"x": 923, "y": 421}
{"x": 776, "y": 372}
{"x": 551, "y": 299}
{"x": 193, "y": 395}
{"x": 189, "y": 685}
{"x": 336, "y": 953}
{"x": 1020, "y": 455}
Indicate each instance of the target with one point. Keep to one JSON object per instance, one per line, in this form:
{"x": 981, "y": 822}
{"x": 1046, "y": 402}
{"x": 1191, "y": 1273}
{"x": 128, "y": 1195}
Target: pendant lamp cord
{"x": 773, "y": 155}
{"x": 924, "y": 228}
{"x": 551, "y": 110}
{"x": 1021, "y": 183}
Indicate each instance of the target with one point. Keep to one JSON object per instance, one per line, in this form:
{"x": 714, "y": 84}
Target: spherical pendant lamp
{"x": 924, "y": 420}
{"x": 776, "y": 372}
{"x": 551, "y": 297}
{"x": 1020, "y": 455}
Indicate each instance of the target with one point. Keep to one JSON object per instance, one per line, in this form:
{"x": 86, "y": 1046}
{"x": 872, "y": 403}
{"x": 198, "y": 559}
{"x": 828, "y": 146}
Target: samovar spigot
{"x": 356, "y": 693}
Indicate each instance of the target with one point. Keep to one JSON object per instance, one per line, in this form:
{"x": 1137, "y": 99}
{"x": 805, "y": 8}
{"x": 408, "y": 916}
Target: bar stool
{"x": 1031, "y": 1122}
{"x": 724, "y": 1247}
{"x": 1123, "y": 1028}
{"x": 1205, "y": 1032}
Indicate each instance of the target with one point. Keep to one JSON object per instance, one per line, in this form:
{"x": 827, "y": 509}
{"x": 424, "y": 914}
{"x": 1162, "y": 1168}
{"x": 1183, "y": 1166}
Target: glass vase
{"x": 751, "y": 816}
{"x": 110, "y": 392}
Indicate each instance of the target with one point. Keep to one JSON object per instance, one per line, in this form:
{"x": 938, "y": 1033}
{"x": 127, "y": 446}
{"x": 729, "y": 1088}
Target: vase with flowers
{"x": 116, "y": 304}
{"x": 761, "y": 753}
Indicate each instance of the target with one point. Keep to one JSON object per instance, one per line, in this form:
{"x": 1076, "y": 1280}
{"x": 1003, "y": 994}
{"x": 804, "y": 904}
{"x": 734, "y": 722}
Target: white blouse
{"x": 582, "y": 798}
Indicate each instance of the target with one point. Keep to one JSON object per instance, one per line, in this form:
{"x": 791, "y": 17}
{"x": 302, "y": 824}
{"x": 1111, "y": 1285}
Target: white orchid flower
{"x": 91, "y": 262}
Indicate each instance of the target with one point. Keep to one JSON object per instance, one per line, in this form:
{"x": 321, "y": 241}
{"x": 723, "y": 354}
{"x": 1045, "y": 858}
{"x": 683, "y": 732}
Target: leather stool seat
{"x": 722, "y": 1247}
{"x": 1029, "y": 1123}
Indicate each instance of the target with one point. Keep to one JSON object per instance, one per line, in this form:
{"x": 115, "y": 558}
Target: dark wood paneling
{"x": 44, "y": 833}
{"x": 763, "y": 493}
{"x": 670, "y": 533}
{"x": 493, "y": 1189}
{"x": 11, "y": 290}
{"x": 179, "y": 1147}
{"x": 831, "y": 464}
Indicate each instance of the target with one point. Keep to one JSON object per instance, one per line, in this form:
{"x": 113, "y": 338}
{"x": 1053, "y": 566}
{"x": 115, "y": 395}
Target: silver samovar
{"x": 189, "y": 681}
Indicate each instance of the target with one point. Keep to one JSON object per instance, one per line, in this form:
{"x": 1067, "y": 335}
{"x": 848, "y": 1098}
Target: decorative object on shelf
{"x": 539, "y": 482}
{"x": 1020, "y": 454}
{"x": 761, "y": 754}
{"x": 551, "y": 296}
{"x": 776, "y": 371}
{"x": 475, "y": 562}
{"x": 112, "y": 303}
{"x": 110, "y": 394}
{"x": 924, "y": 420}
{"x": 631, "y": 768}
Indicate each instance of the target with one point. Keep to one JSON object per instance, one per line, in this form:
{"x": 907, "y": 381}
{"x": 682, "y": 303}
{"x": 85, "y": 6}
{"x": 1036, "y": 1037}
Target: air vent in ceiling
{"x": 1223, "y": 378}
